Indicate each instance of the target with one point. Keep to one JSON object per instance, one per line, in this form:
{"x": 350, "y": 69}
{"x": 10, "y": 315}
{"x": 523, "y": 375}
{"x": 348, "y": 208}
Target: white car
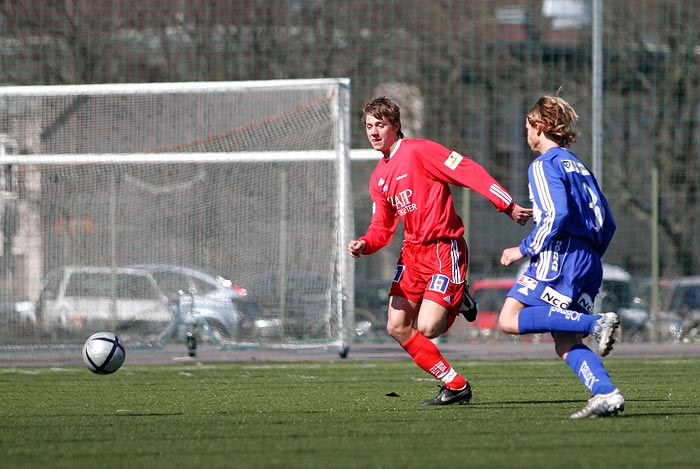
{"x": 77, "y": 297}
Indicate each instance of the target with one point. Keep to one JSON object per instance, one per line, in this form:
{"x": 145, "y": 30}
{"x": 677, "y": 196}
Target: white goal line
{"x": 220, "y": 157}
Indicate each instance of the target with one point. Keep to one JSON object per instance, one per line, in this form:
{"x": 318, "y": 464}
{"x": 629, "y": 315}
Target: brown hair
{"x": 556, "y": 118}
{"x": 382, "y": 107}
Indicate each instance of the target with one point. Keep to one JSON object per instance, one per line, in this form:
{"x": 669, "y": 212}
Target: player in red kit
{"x": 411, "y": 182}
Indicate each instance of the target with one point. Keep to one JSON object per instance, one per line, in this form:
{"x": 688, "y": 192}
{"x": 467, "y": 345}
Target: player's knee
{"x": 400, "y": 333}
{"x": 508, "y": 317}
{"x": 564, "y": 342}
{"x": 431, "y": 331}
{"x": 507, "y": 323}
{"x": 501, "y": 325}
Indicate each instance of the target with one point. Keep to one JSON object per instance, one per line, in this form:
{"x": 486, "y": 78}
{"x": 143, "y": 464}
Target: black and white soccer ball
{"x": 103, "y": 353}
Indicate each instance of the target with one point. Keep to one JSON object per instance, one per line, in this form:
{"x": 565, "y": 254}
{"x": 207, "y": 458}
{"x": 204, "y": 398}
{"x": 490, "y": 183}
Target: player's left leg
{"x": 469, "y": 307}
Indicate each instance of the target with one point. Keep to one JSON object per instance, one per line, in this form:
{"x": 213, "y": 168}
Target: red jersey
{"x": 413, "y": 183}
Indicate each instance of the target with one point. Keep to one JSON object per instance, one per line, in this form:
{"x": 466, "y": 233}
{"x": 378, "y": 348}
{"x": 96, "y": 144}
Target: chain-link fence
{"x": 465, "y": 74}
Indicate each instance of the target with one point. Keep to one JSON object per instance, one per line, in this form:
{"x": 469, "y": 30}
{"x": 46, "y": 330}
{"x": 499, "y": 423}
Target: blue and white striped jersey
{"x": 567, "y": 203}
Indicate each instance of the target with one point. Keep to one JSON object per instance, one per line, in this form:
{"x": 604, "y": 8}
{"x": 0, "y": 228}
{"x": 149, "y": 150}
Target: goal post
{"x": 248, "y": 181}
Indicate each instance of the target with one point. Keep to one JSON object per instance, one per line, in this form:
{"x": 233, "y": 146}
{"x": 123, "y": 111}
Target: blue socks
{"x": 590, "y": 370}
{"x": 535, "y": 319}
{"x": 586, "y": 364}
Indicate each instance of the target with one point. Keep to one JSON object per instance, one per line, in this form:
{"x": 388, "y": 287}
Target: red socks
{"x": 427, "y": 356}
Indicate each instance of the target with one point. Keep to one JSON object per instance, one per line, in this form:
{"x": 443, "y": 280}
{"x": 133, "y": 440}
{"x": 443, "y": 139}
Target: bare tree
{"x": 475, "y": 79}
{"x": 655, "y": 76}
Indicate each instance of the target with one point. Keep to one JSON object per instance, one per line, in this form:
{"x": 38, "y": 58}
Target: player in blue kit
{"x": 573, "y": 228}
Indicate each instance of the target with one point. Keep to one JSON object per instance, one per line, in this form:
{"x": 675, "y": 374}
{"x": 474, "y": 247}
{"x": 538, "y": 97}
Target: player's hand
{"x": 520, "y": 214}
{"x": 511, "y": 255}
{"x": 355, "y": 247}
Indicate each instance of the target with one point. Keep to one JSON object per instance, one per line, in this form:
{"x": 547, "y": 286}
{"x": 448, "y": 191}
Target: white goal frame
{"x": 344, "y": 288}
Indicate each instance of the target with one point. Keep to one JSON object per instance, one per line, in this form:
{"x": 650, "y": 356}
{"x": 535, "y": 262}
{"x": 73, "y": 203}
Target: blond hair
{"x": 556, "y": 118}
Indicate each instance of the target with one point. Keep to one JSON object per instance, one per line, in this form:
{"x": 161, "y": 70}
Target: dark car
{"x": 618, "y": 294}
{"x": 303, "y": 301}
{"x": 372, "y": 305}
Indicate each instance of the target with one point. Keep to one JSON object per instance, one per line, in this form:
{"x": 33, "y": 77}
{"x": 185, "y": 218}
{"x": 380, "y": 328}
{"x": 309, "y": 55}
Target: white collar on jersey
{"x": 396, "y": 148}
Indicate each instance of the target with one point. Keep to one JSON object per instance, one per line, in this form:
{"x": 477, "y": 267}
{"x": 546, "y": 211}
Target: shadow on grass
{"x": 518, "y": 403}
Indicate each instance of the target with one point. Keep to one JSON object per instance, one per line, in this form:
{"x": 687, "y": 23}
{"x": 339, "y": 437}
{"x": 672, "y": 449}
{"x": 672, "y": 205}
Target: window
{"x": 135, "y": 287}
{"x": 99, "y": 285}
{"x": 567, "y": 14}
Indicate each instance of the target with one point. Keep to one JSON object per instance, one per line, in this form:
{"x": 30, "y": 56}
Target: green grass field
{"x": 338, "y": 415}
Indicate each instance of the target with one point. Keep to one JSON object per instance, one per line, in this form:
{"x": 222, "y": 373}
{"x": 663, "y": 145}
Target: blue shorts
{"x": 567, "y": 274}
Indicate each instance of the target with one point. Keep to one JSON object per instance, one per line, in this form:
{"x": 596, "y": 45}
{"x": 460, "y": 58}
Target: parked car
{"x": 227, "y": 307}
{"x": 489, "y": 294}
{"x": 372, "y": 305}
{"x": 14, "y": 325}
{"x": 619, "y": 294}
{"x": 305, "y": 306}
{"x": 89, "y": 297}
{"x": 681, "y": 308}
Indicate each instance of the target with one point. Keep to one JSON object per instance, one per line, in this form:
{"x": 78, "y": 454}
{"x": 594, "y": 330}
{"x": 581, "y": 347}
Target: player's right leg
{"x": 429, "y": 283}
{"x": 604, "y": 332}
{"x": 602, "y": 405}
{"x": 607, "y": 399}
{"x": 447, "y": 396}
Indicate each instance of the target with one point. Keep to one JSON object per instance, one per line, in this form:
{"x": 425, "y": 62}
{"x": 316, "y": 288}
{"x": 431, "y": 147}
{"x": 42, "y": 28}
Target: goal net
{"x": 161, "y": 211}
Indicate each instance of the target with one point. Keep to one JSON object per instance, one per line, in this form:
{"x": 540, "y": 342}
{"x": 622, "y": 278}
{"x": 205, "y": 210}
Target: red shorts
{"x": 435, "y": 271}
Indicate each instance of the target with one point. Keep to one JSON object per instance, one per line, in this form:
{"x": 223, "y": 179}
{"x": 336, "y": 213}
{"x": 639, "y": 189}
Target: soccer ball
{"x": 103, "y": 353}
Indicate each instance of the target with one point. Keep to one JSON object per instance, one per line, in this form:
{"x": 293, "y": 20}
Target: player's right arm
{"x": 356, "y": 247}
{"x": 551, "y": 201}
{"x": 382, "y": 226}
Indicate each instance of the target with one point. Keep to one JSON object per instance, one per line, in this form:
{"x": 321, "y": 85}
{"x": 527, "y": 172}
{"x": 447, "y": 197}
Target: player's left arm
{"x": 455, "y": 168}
{"x": 518, "y": 214}
{"x": 609, "y": 226}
